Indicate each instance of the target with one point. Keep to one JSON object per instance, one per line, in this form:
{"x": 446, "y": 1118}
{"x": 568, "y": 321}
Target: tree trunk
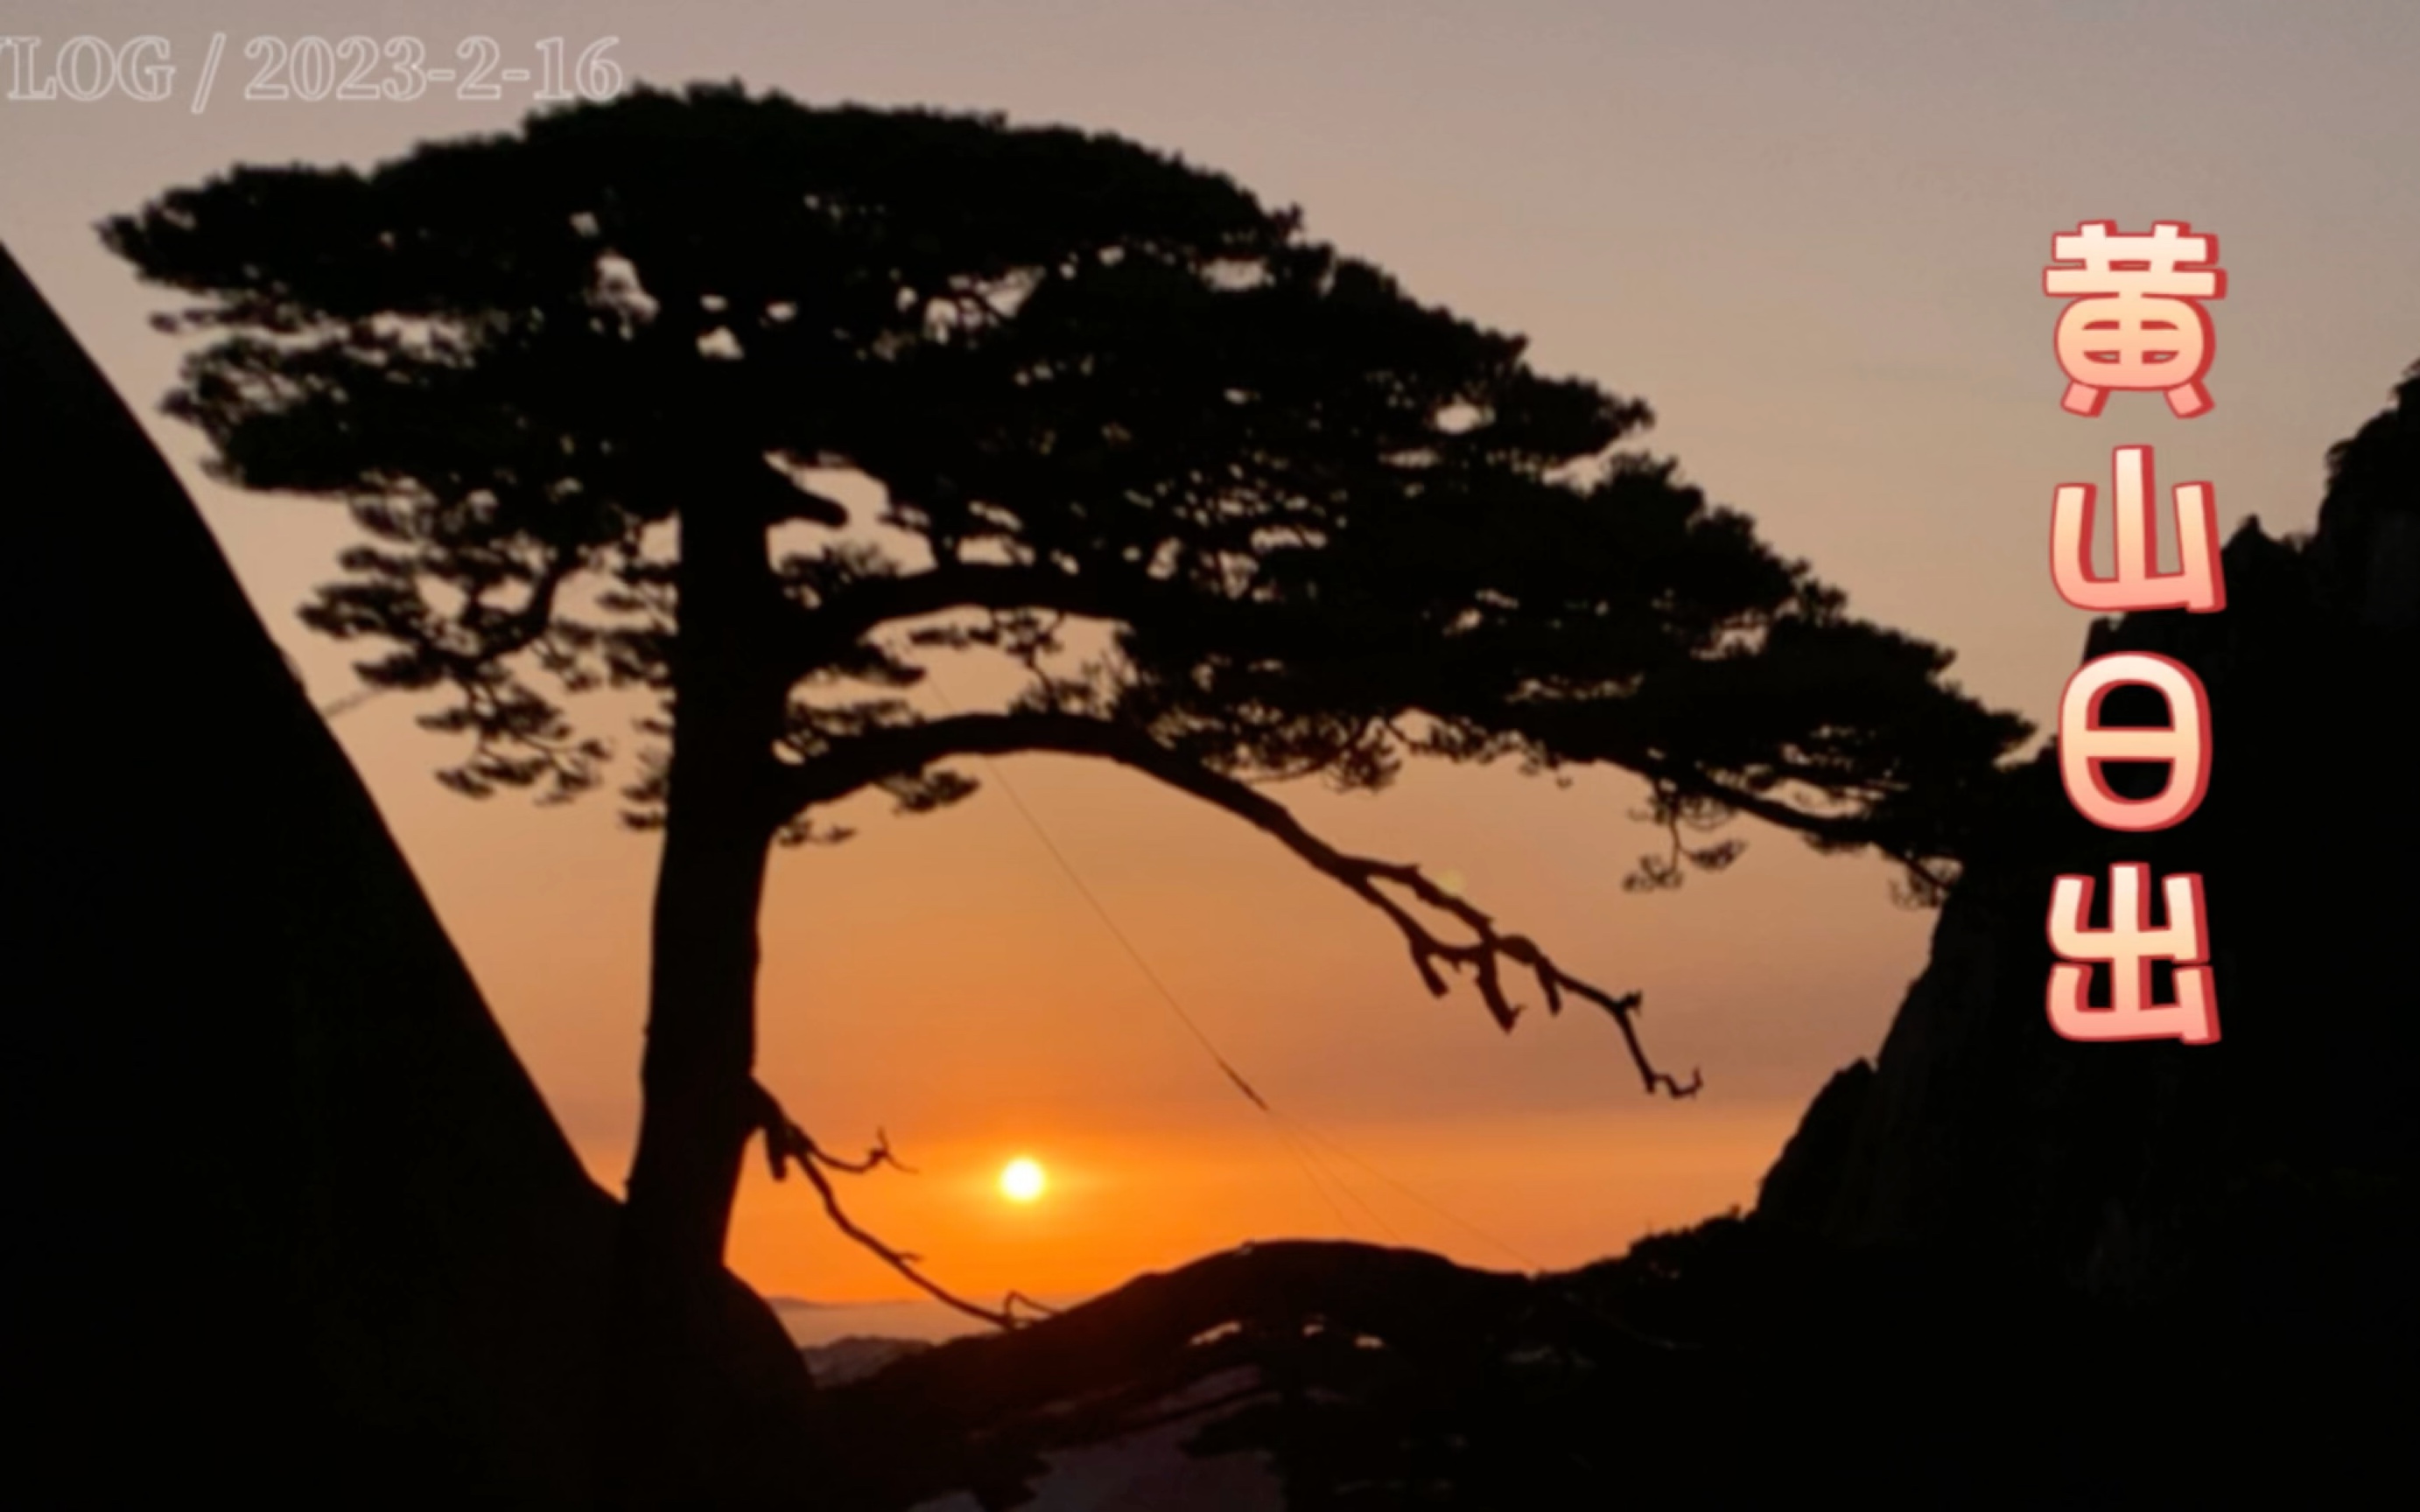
{"x": 697, "y": 1411}
{"x": 701, "y": 1050}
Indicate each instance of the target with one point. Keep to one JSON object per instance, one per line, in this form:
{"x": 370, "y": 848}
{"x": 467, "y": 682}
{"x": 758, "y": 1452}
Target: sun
{"x": 1022, "y": 1180}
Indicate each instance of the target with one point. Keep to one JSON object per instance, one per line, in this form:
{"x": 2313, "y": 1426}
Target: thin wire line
{"x": 1285, "y": 1142}
{"x": 1526, "y": 1260}
{"x": 350, "y": 702}
{"x": 1304, "y": 1131}
{"x": 1143, "y": 965}
{"x": 1209, "y": 1048}
{"x": 1132, "y": 953}
{"x": 1109, "y": 922}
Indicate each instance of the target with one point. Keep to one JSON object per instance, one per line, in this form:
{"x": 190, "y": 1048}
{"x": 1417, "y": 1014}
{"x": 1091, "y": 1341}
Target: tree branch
{"x": 785, "y": 1144}
{"x": 833, "y": 627}
{"x": 859, "y": 762}
{"x": 1931, "y": 878}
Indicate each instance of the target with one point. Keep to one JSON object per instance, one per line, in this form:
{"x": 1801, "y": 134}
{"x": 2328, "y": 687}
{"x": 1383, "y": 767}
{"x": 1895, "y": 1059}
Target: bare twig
{"x": 1670, "y": 809}
{"x": 1483, "y": 953}
{"x": 785, "y": 1144}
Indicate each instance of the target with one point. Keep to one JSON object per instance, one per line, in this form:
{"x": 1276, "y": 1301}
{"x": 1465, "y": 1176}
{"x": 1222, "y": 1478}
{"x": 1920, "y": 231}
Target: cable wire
{"x": 1193, "y": 1027}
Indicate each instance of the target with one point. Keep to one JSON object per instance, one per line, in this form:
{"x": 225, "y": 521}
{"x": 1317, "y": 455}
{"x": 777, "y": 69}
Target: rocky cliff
{"x": 245, "y": 1065}
{"x": 2277, "y": 1162}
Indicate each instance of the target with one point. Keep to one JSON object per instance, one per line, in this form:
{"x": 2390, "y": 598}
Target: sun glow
{"x": 1022, "y": 1180}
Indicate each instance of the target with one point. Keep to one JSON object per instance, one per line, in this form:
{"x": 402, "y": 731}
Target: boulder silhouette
{"x": 284, "y": 1214}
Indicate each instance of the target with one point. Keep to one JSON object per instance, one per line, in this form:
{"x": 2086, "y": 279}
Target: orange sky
{"x": 1811, "y": 235}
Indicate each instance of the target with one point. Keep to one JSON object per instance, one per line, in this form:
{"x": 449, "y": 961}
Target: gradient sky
{"x": 1811, "y": 235}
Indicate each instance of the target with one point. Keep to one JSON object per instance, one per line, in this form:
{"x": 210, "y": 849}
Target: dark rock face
{"x": 2136, "y": 1168}
{"x": 245, "y": 1067}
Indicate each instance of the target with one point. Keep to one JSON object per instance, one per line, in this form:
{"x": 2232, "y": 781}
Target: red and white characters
{"x": 2128, "y": 946}
{"x": 2136, "y": 581}
{"x": 2182, "y": 743}
{"x": 2139, "y": 326}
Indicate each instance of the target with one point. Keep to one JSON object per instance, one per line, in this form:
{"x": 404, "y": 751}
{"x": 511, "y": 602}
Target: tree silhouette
{"x": 1242, "y": 509}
